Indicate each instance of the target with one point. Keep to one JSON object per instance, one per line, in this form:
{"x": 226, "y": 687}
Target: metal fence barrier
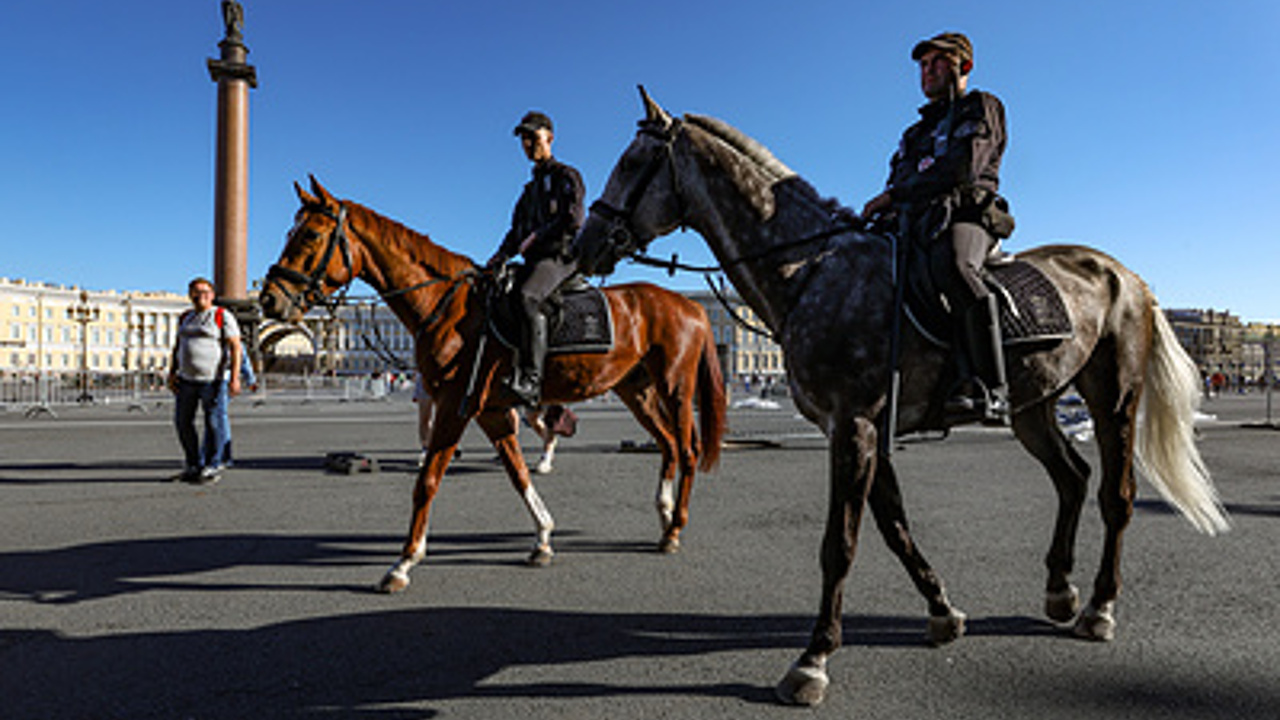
{"x": 30, "y": 393}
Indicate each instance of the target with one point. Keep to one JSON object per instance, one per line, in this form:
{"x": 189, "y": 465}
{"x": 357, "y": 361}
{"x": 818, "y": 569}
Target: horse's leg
{"x": 547, "y": 436}
{"x": 1114, "y": 414}
{"x": 446, "y": 431}
{"x": 852, "y": 458}
{"x": 502, "y": 428}
{"x": 1037, "y": 429}
{"x": 679, "y": 406}
{"x": 640, "y": 397}
{"x": 946, "y": 623}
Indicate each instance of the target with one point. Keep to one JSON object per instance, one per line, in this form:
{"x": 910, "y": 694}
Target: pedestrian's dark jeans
{"x": 217, "y": 433}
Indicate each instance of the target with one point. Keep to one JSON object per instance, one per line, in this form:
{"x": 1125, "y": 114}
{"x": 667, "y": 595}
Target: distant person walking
{"x": 249, "y": 382}
{"x": 204, "y": 372}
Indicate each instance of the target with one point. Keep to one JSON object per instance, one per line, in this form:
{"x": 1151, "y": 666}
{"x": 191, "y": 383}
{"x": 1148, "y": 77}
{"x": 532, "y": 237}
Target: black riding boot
{"x": 526, "y": 379}
{"x": 980, "y": 393}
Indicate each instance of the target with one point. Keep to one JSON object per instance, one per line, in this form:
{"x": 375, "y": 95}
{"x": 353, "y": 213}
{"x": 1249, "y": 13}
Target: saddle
{"x": 579, "y": 319}
{"x": 1032, "y": 312}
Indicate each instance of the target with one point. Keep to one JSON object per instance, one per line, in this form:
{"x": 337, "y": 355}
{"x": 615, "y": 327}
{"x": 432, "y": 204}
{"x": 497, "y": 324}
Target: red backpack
{"x": 217, "y": 316}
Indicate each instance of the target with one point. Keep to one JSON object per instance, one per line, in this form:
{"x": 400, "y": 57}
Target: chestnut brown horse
{"x": 824, "y": 289}
{"x": 662, "y": 362}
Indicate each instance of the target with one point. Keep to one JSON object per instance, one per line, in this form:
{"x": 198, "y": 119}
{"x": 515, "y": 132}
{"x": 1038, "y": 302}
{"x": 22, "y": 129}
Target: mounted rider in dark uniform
{"x": 546, "y": 218}
{"x": 945, "y": 179}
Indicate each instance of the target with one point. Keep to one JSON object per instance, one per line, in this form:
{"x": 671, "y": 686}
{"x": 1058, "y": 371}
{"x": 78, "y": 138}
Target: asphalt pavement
{"x": 125, "y": 596}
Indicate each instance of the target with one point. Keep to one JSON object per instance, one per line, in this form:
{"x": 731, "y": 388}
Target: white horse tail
{"x": 1166, "y": 448}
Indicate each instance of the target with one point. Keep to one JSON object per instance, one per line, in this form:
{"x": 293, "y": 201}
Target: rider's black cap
{"x": 952, "y": 43}
{"x": 532, "y": 122}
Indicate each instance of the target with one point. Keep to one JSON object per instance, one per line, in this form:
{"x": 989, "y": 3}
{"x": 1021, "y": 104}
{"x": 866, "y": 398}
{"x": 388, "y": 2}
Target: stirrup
{"x": 527, "y": 390}
{"x": 979, "y": 405}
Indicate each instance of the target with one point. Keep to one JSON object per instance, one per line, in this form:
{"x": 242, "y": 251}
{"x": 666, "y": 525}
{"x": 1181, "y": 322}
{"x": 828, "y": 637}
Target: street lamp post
{"x": 136, "y": 322}
{"x": 84, "y": 313}
{"x": 1268, "y": 372}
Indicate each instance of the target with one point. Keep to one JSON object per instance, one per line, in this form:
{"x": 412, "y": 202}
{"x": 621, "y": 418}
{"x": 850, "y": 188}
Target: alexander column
{"x": 231, "y": 187}
{"x": 231, "y": 190}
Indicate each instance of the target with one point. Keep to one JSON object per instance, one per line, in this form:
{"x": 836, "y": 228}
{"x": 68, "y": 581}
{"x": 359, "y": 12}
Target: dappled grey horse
{"x": 824, "y": 290}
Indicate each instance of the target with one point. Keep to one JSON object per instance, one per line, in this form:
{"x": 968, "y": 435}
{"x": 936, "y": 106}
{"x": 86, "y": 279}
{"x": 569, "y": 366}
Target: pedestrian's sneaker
{"x": 422, "y": 458}
{"x": 191, "y": 474}
{"x": 209, "y": 475}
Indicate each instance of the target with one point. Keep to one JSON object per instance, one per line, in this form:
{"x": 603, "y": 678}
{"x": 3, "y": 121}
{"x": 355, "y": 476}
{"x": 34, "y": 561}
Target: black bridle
{"x": 625, "y": 241}
{"x": 313, "y": 285}
{"x": 622, "y": 236}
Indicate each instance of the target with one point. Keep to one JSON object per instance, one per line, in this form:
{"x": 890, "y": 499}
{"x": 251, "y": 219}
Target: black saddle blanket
{"x": 1031, "y": 308}
{"x": 579, "y": 320}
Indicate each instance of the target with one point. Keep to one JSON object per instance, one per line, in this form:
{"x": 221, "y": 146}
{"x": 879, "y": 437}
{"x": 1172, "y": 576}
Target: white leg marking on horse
{"x": 804, "y": 683}
{"x": 545, "y": 462}
{"x": 1097, "y": 623}
{"x": 946, "y": 628}
{"x": 666, "y": 504}
{"x": 541, "y": 518}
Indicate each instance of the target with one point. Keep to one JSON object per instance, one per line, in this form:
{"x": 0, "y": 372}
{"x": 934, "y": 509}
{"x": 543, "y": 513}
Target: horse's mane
{"x": 754, "y": 169}
{"x": 418, "y": 245}
{"x": 740, "y": 141}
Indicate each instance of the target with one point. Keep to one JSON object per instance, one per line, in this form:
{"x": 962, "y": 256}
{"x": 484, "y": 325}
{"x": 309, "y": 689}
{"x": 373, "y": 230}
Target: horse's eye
{"x": 632, "y": 162}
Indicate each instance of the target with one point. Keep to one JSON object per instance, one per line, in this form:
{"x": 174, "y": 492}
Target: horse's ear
{"x": 304, "y": 197}
{"x": 652, "y": 110}
{"x": 324, "y": 197}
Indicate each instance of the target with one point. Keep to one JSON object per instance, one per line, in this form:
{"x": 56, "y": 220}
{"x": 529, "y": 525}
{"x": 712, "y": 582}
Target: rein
{"x": 313, "y": 284}
{"x": 672, "y": 265}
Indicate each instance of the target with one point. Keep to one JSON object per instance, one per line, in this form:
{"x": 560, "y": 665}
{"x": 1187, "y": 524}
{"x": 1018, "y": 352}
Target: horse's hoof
{"x": 543, "y": 467}
{"x": 803, "y": 685}
{"x": 946, "y": 628}
{"x": 1063, "y": 605}
{"x": 669, "y": 545}
{"x": 540, "y": 557}
{"x": 393, "y": 582}
{"x": 1097, "y": 624}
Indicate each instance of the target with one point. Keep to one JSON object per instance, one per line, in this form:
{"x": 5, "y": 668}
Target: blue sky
{"x": 1146, "y": 129}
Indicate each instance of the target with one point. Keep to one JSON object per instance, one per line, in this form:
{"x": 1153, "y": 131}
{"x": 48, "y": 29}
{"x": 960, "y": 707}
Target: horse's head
{"x": 317, "y": 260}
{"x": 642, "y": 198}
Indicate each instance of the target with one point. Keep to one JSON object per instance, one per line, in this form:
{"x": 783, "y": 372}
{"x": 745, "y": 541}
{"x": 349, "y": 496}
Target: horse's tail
{"x": 712, "y": 404}
{"x": 1166, "y": 448}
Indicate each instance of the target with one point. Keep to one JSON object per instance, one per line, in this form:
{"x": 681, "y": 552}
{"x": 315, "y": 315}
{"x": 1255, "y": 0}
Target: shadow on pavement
{"x": 148, "y": 471}
{"x": 359, "y": 665}
{"x": 356, "y": 666}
